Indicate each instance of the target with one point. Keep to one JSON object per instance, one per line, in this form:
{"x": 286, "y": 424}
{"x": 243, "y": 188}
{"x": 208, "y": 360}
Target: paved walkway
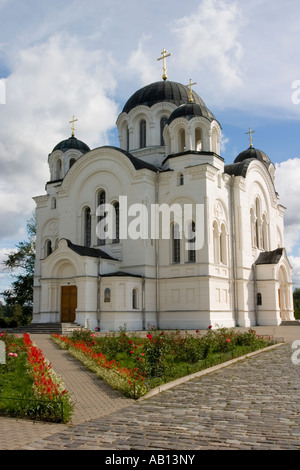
{"x": 253, "y": 404}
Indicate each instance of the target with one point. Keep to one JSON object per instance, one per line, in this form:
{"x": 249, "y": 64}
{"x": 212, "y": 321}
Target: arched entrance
{"x": 68, "y": 304}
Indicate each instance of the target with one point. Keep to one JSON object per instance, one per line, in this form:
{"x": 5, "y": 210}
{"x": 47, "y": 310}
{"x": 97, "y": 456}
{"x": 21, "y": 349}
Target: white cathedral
{"x": 169, "y": 155}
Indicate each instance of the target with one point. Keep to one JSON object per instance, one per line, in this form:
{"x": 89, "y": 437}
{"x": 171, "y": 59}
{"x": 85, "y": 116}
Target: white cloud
{"x": 141, "y": 63}
{"x": 50, "y": 83}
{"x": 209, "y": 43}
{"x": 295, "y": 262}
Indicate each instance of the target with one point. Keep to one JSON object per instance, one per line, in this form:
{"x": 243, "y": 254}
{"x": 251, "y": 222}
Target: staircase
{"x": 45, "y": 328}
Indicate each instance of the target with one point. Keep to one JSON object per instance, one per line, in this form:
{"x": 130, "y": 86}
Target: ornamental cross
{"x": 250, "y": 136}
{"x": 164, "y": 55}
{"x": 73, "y": 128}
{"x": 191, "y": 99}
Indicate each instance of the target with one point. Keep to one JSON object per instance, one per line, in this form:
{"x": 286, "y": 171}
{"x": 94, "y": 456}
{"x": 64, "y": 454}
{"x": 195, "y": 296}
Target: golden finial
{"x": 250, "y": 136}
{"x": 164, "y": 55}
{"x": 191, "y": 99}
{"x": 73, "y": 128}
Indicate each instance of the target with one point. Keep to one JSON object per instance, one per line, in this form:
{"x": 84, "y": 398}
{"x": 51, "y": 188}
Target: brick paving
{"x": 252, "y": 404}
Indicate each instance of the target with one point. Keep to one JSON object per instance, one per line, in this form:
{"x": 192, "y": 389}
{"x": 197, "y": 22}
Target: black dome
{"x": 72, "y": 143}
{"x": 251, "y": 152}
{"x": 164, "y": 90}
{"x": 191, "y": 110}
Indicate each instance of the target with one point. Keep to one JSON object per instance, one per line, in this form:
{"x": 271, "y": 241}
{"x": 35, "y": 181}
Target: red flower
{"x": 131, "y": 352}
{"x": 197, "y": 331}
{"x": 210, "y": 326}
{"x": 228, "y": 340}
{"x": 149, "y": 336}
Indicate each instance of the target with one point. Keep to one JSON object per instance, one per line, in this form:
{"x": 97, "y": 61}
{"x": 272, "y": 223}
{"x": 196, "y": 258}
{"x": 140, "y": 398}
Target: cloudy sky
{"x": 59, "y": 59}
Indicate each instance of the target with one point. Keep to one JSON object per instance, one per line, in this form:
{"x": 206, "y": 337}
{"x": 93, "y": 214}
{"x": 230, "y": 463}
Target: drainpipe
{"x": 143, "y": 304}
{"x": 255, "y": 295}
{"x": 233, "y": 249}
{"x": 156, "y": 256}
{"x": 98, "y": 294}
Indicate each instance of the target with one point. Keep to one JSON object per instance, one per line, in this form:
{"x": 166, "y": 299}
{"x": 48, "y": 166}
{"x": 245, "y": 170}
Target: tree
{"x": 19, "y": 298}
{"x": 296, "y": 295}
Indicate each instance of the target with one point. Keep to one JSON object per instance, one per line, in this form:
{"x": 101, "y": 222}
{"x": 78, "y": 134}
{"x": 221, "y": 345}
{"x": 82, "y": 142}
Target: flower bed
{"x": 135, "y": 365}
{"x": 29, "y": 388}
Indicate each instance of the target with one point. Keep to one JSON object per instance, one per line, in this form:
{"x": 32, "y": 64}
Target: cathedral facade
{"x": 168, "y": 157}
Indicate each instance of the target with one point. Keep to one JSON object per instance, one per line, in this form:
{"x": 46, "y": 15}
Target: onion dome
{"x": 252, "y": 152}
{"x": 72, "y": 143}
{"x": 190, "y": 110}
{"x": 157, "y": 92}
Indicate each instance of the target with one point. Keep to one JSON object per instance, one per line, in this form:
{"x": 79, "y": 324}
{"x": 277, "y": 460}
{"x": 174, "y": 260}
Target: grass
{"x": 161, "y": 357}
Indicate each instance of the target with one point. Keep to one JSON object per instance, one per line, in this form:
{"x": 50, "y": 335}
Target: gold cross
{"x": 250, "y": 136}
{"x": 164, "y": 55}
{"x": 190, "y": 87}
{"x": 73, "y": 128}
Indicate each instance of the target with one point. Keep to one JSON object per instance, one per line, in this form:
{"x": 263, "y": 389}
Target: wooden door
{"x": 68, "y": 303}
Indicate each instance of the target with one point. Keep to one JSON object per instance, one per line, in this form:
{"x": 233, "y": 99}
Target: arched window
{"x": 72, "y": 161}
{"x": 198, "y": 139}
{"x": 181, "y": 140}
{"x": 87, "y": 227}
{"x": 223, "y": 245}
{"x": 180, "y": 180}
{"x": 48, "y": 248}
{"x": 214, "y": 141}
{"x": 192, "y": 239}
{"x": 117, "y": 223}
{"x": 58, "y": 169}
{"x": 175, "y": 243}
{"x": 162, "y": 125}
{"x": 258, "y": 223}
{"x": 101, "y": 200}
{"x": 135, "y": 298}
{"x": 53, "y": 203}
{"x": 253, "y": 228}
{"x": 127, "y": 138}
{"x": 259, "y": 299}
{"x": 107, "y": 295}
{"x": 142, "y": 133}
{"x": 216, "y": 243}
{"x": 265, "y": 237}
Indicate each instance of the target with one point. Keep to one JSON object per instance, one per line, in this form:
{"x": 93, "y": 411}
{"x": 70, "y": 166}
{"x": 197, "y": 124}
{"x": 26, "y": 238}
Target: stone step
{"x": 290, "y": 323}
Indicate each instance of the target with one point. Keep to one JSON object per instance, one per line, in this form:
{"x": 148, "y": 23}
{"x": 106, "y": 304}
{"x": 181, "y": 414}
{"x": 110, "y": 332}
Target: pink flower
{"x": 228, "y": 340}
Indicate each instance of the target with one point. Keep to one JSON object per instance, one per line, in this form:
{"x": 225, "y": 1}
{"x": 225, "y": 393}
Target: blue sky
{"x": 59, "y": 59}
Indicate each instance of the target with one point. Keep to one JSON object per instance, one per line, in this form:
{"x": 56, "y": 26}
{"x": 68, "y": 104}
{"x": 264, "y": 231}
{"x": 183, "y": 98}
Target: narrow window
{"x": 101, "y": 199}
{"x": 48, "y": 248}
{"x": 180, "y": 179}
{"x": 259, "y": 299}
{"x": 192, "y": 239}
{"x": 181, "y": 140}
{"x": 107, "y": 295}
{"x": 87, "y": 227}
{"x": 142, "y": 133}
{"x": 216, "y": 243}
{"x": 175, "y": 244}
{"x": 127, "y": 139}
{"x": 117, "y": 223}
{"x": 58, "y": 170}
{"x": 72, "y": 161}
{"x": 163, "y": 122}
{"x": 134, "y": 298}
{"x": 53, "y": 203}
{"x": 198, "y": 139}
{"x": 223, "y": 245}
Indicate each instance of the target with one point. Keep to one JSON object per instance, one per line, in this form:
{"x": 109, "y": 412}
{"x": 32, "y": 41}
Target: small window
{"x": 72, "y": 161}
{"x": 142, "y": 133}
{"x": 259, "y": 299}
{"x": 48, "y": 248}
{"x": 53, "y": 203}
{"x": 180, "y": 179}
{"x": 107, "y": 295}
{"x": 163, "y": 122}
{"x": 135, "y": 298}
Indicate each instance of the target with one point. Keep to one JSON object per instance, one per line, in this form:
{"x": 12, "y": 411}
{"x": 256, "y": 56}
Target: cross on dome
{"x": 163, "y": 58}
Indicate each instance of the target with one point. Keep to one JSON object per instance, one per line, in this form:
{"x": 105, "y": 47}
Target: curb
{"x": 181, "y": 380}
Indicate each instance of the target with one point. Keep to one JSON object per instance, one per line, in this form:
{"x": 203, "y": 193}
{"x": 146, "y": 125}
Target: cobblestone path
{"x": 253, "y": 404}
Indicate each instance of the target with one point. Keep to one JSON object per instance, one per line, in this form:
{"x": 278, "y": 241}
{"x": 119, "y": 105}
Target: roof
{"x": 270, "y": 257}
{"x": 137, "y": 163}
{"x": 72, "y": 143}
{"x": 157, "y": 92}
{"x": 88, "y": 251}
{"x": 238, "y": 169}
{"x": 121, "y": 274}
{"x": 252, "y": 152}
{"x": 190, "y": 110}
